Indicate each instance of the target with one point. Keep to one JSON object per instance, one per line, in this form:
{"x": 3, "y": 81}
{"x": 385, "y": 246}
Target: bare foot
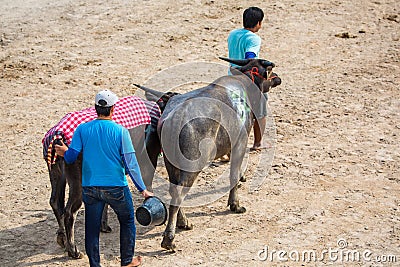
{"x": 136, "y": 261}
{"x": 259, "y": 147}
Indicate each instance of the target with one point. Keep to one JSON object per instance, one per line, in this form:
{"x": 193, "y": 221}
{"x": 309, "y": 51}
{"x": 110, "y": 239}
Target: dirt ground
{"x": 333, "y": 185}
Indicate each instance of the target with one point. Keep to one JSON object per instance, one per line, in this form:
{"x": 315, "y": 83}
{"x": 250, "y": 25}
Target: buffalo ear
{"x": 240, "y": 62}
{"x": 267, "y": 63}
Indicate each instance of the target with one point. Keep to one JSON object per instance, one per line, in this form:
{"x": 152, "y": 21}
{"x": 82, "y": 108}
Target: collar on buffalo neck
{"x": 254, "y": 72}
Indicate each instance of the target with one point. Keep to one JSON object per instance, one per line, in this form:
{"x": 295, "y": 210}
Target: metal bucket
{"x": 152, "y": 212}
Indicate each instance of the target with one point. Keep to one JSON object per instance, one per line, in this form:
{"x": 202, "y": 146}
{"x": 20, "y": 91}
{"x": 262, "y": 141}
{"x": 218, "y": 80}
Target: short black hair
{"x": 252, "y": 16}
{"x": 104, "y": 111}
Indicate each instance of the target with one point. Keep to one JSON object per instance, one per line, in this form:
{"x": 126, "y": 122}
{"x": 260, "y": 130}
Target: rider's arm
{"x": 71, "y": 155}
{"x": 133, "y": 170}
{"x": 130, "y": 162}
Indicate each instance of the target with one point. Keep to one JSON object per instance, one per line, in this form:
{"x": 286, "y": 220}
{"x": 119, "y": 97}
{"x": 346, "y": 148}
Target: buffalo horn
{"x": 153, "y": 92}
{"x": 240, "y": 62}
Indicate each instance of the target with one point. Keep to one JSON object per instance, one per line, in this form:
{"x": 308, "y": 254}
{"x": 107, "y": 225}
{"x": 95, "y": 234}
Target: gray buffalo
{"x": 205, "y": 124}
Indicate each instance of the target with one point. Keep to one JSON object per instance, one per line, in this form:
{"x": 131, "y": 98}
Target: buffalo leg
{"x": 153, "y": 149}
{"x": 178, "y": 191}
{"x": 104, "y": 227}
{"x": 57, "y": 198}
{"x": 235, "y": 169}
{"x": 73, "y": 173}
{"x": 182, "y": 221}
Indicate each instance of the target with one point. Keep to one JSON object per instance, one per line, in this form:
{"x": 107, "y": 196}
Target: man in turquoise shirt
{"x": 107, "y": 154}
{"x": 244, "y": 43}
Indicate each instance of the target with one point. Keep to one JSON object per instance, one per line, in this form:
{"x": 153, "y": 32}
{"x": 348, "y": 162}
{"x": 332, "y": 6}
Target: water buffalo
{"x": 205, "y": 124}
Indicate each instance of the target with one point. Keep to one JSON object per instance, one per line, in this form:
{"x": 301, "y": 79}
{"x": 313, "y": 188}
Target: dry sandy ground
{"x": 335, "y": 174}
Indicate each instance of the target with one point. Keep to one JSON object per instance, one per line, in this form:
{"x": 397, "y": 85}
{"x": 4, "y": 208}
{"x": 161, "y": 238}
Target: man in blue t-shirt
{"x": 244, "y": 43}
{"x": 107, "y": 154}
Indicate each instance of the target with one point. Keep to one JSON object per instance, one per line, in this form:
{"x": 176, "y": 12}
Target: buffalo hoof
{"x": 188, "y": 226}
{"x": 168, "y": 244}
{"x": 61, "y": 239}
{"x": 75, "y": 253}
{"x": 237, "y": 209}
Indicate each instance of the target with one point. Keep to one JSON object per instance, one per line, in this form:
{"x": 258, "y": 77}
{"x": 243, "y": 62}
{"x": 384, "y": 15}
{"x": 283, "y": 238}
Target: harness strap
{"x": 254, "y": 72}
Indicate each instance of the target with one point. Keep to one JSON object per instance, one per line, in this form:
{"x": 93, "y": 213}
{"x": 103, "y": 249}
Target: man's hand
{"x": 60, "y": 150}
{"x": 147, "y": 194}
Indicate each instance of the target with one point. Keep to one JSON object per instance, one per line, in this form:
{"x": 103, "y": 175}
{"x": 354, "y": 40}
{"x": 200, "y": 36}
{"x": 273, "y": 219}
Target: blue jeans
{"x": 120, "y": 200}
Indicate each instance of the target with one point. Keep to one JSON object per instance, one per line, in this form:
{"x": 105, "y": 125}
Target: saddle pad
{"x": 130, "y": 112}
{"x": 154, "y": 111}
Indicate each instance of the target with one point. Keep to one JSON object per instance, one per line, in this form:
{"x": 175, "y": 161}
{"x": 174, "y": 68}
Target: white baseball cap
{"x": 106, "y": 98}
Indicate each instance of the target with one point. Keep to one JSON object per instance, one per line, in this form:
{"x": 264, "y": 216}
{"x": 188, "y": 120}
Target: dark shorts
{"x": 261, "y": 110}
